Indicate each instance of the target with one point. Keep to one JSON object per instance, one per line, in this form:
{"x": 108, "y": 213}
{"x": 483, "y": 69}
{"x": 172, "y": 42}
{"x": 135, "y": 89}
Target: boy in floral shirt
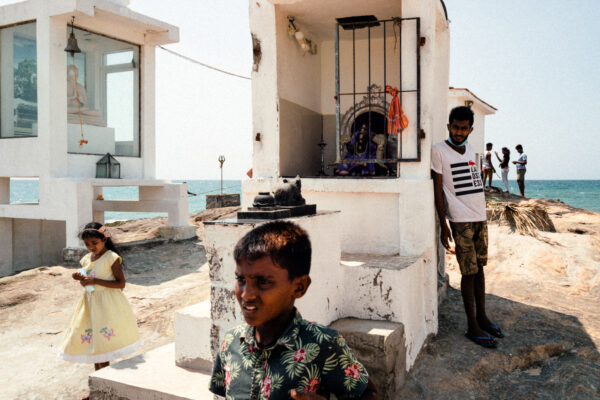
{"x": 278, "y": 355}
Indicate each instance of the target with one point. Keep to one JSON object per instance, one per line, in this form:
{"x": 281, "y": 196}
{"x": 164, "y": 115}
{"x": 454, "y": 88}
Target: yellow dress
{"x": 103, "y": 327}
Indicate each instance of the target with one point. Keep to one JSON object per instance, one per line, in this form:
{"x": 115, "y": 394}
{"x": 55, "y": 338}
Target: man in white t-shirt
{"x": 459, "y": 196}
{"x": 521, "y": 169}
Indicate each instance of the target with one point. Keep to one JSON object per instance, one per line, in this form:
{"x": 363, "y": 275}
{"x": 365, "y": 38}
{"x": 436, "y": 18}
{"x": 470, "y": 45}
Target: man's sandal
{"x": 485, "y": 341}
{"x": 494, "y": 330}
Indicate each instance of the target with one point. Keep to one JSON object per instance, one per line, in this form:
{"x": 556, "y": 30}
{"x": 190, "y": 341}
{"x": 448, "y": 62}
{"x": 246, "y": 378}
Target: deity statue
{"x": 360, "y": 147}
{"x": 77, "y": 99}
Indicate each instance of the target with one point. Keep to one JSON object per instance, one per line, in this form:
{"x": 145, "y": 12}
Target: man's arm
{"x": 438, "y": 192}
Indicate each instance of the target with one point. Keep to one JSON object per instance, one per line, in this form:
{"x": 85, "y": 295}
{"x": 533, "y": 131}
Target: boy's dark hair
{"x": 518, "y": 147}
{"x": 462, "y": 113}
{"x": 286, "y": 243}
{"x": 489, "y": 145}
{"x": 91, "y": 231}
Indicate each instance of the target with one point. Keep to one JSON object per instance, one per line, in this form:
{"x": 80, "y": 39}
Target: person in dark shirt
{"x": 277, "y": 354}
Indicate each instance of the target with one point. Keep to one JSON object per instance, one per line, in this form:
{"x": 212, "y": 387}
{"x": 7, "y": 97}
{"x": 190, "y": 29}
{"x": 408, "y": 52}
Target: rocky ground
{"x": 544, "y": 291}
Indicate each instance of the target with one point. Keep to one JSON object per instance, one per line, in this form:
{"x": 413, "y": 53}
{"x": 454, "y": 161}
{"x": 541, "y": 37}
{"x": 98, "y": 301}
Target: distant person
{"x": 521, "y": 169}
{"x": 103, "y": 327}
{"x": 488, "y": 168}
{"x": 504, "y": 166}
{"x": 459, "y": 196}
{"x": 277, "y": 354}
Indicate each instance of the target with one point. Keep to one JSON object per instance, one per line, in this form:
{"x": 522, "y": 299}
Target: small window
{"x": 18, "y": 81}
{"x": 103, "y": 96}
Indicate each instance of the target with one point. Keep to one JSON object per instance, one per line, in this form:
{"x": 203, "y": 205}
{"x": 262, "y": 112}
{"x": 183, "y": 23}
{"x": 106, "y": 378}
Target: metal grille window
{"x": 375, "y": 59}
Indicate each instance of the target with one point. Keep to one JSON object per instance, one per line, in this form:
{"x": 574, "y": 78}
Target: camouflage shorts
{"x": 471, "y": 240}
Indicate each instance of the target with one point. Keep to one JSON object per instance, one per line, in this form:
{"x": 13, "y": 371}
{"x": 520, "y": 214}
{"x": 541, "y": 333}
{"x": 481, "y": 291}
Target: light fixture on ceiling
{"x": 306, "y": 44}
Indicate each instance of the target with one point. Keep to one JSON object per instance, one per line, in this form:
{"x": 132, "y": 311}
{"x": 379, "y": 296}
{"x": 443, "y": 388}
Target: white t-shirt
{"x": 522, "y": 157}
{"x": 463, "y": 188}
{"x": 485, "y": 163}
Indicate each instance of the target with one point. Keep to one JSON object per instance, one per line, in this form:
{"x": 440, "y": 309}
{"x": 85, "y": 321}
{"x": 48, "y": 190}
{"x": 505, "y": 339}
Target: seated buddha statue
{"x": 77, "y": 100}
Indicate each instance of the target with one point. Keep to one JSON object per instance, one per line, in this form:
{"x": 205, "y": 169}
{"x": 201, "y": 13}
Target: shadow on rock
{"x": 545, "y": 355}
{"x": 163, "y": 263}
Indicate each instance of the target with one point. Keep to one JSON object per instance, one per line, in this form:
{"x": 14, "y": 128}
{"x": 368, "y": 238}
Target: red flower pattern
{"x": 223, "y": 345}
{"x": 300, "y": 355}
{"x": 266, "y": 386}
{"x": 352, "y": 371}
{"x": 313, "y": 385}
{"x": 227, "y": 375}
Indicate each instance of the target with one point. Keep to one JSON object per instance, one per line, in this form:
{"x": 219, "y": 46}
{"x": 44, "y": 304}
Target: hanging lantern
{"x": 72, "y": 46}
{"x": 108, "y": 167}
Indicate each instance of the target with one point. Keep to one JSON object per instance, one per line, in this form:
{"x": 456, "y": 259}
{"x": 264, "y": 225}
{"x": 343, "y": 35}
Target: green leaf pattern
{"x": 307, "y": 357}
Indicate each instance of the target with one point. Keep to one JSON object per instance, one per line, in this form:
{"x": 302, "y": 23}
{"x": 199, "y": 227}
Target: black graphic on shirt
{"x": 466, "y": 178}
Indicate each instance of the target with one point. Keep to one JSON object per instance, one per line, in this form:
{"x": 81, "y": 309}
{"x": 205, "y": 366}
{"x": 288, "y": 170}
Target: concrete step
{"x": 150, "y": 376}
{"x": 380, "y": 347}
{"x": 192, "y": 337}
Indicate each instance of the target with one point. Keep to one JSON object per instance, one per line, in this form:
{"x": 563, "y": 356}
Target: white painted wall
{"x": 66, "y": 189}
{"x": 400, "y": 292}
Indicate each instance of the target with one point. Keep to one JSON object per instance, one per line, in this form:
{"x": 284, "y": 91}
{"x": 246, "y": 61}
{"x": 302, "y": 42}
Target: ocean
{"x": 578, "y": 193}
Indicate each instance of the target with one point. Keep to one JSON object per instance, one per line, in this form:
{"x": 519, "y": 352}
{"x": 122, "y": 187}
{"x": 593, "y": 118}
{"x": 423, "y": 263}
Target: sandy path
{"x": 36, "y": 307}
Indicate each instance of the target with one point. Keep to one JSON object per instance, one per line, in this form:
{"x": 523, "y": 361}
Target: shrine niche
{"x": 364, "y": 141}
{"x": 374, "y": 60}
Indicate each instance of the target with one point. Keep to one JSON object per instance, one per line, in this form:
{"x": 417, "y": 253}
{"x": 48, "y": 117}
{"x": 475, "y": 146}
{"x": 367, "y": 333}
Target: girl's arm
{"x": 118, "y": 283}
{"x": 498, "y": 157}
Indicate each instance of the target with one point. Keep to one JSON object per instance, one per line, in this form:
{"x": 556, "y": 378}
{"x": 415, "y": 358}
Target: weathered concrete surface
{"x": 151, "y": 375}
{"x": 192, "y": 330}
{"x": 222, "y": 200}
{"x": 381, "y": 348}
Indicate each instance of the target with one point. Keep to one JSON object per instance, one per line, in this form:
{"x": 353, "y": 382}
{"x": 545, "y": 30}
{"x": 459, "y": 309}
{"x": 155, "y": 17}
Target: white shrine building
{"x": 60, "y": 113}
{"x": 320, "y": 74}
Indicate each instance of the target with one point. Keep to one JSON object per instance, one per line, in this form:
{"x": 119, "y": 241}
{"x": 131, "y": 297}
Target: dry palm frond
{"x": 526, "y": 219}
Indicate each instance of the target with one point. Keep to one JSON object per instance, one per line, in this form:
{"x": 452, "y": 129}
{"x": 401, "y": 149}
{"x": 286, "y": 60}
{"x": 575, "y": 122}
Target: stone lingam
{"x": 285, "y": 202}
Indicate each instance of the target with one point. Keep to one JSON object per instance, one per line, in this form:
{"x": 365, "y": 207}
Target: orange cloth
{"x": 397, "y": 121}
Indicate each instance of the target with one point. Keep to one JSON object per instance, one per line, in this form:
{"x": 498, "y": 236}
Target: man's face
{"x": 519, "y": 149}
{"x": 459, "y": 130}
{"x": 265, "y": 292}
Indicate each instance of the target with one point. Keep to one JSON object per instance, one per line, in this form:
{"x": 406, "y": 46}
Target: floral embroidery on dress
{"x": 107, "y": 333}
{"x": 87, "y": 336}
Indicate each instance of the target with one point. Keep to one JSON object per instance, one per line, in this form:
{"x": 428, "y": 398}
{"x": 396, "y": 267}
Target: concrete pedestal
{"x": 152, "y": 375}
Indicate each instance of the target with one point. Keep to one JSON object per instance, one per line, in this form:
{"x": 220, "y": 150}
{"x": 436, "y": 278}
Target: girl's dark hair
{"x": 91, "y": 231}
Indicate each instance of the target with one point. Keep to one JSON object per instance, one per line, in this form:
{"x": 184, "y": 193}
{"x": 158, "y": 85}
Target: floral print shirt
{"x": 307, "y": 357}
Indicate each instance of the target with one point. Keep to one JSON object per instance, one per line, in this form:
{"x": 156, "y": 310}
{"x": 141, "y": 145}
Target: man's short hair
{"x": 461, "y": 113}
{"x": 488, "y": 145}
{"x": 286, "y": 243}
{"x": 518, "y": 147}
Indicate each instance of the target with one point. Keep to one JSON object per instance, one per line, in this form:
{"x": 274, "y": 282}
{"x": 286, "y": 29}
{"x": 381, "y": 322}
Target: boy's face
{"x": 265, "y": 292}
{"x": 459, "y": 130}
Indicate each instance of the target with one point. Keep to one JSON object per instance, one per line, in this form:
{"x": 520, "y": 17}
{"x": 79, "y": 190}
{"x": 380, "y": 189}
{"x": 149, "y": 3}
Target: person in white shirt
{"x": 521, "y": 169}
{"x": 459, "y": 196}
{"x": 488, "y": 168}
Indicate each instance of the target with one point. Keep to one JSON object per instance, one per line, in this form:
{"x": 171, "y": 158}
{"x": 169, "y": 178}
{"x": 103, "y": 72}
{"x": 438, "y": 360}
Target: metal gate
{"x": 391, "y": 149}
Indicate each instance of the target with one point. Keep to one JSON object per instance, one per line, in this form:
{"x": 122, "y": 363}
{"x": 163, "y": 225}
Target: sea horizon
{"x": 580, "y": 193}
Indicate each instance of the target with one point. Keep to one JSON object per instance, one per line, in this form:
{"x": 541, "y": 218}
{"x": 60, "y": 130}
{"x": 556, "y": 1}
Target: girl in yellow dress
{"x": 103, "y": 327}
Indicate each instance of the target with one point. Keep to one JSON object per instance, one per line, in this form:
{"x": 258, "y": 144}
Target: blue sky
{"x": 537, "y": 62}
